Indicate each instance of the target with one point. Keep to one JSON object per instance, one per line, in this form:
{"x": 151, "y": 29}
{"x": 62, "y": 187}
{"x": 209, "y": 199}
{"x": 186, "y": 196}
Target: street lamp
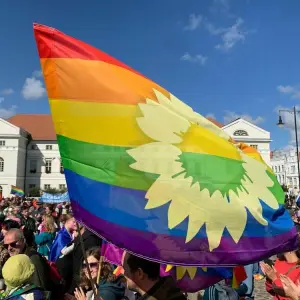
{"x": 281, "y": 124}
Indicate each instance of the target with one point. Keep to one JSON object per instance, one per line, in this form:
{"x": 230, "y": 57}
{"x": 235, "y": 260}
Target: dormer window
{"x": 240, "y": 133}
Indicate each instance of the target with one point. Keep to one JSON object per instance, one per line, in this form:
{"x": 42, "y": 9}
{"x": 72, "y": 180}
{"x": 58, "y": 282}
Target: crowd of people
{"x": 46, "y": 254}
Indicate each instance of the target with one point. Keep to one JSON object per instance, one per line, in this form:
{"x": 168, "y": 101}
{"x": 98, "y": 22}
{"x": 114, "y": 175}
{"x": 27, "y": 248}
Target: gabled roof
{"x": 40, "y": 126}
{"x": 247, "y": 122}
{"x": 216, "y": 122}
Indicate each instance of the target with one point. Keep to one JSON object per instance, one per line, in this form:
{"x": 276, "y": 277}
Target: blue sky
{"x": 225, "y": 58}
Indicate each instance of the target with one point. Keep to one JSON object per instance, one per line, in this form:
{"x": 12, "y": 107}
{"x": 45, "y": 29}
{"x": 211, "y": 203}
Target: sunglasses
{"x": 11, "y": 245}
{"x": 91, "y": 265}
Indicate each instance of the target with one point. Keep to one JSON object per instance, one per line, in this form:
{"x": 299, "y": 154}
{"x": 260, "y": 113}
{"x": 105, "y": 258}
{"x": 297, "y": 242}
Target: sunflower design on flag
{"x": 202, "y": 174}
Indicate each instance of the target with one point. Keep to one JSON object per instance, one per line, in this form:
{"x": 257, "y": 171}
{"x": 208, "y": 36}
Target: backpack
{"x": 220, "y": 292}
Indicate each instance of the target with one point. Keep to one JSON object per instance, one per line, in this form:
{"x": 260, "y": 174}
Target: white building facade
{"x": 29, "y": 154}
{"x": 284, "y": 165}
{"x": 29, "y": 160}
{"x": 243, "y": 131}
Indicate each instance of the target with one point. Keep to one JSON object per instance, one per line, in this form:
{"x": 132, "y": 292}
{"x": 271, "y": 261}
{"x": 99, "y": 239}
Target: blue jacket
{"x": 44, "y": 242}
{"x": 62, "y": 239}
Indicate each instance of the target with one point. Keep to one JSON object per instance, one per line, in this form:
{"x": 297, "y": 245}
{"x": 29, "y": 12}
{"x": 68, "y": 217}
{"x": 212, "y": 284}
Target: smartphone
{"x": 269, "y": 262}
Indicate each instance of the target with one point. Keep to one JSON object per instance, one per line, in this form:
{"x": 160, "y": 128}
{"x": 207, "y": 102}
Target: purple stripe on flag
{"x": 174, "y": 247}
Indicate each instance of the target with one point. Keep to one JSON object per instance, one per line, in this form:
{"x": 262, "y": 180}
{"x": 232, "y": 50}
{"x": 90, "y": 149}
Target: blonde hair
{"x": 49, "y": 224}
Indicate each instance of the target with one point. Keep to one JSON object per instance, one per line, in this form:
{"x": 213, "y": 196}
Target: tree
{"x": 52, "y": 191}
{"x": 35, "y": 192}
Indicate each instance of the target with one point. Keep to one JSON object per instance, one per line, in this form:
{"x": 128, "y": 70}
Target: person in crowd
{"x": 45, "y": 239}
{"x": 63, "y": 238}
{"x": 26, "y": 221}
{"x": 143, "y": 276}
{"x": 111, "y": 287}
{"x": 15, "y": 242}
{"x": 18, "y": 274}
{"x": 291, "y": 289}
{"x": 286, "y": 264}
{"x": 90, "y": 240}
{"x": 8, "y": 225}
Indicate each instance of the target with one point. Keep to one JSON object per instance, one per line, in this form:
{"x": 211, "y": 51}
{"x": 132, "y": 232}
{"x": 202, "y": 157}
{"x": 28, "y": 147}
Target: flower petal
{"x": 161, "y": 124}
{"x": 157, "y": 158}
{"x": 187, "y": 112}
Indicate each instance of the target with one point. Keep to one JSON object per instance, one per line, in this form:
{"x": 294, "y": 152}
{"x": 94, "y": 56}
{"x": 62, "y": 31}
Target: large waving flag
{"x": 149, "y": 174}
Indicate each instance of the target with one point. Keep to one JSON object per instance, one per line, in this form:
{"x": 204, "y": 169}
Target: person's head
{"x": 17, "y": 210}
{"x": 93, "y": 257}
{"x": 49, "y": 224}
{"x": 14, "y": 241}
{"x": 140, "y": 274}
{"x": 7, "y": 225}
{"x": 25, "y": 212}
{"x": 17, "y": 271}
{"x": 48, "y": 210}
{"x": 70, "y": 223}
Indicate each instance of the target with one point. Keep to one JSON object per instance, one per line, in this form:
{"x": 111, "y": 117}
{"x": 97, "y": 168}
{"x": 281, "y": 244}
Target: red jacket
{"x": 285, "y": 268}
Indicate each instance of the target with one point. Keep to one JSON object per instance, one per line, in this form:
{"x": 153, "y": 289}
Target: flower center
{"x": 213, "y": 172}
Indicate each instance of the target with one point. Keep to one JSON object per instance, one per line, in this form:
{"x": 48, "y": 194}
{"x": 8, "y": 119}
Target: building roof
{"x": 41, "y": 127}
{"x": 216, "y": 122}
{"x": 38, "y": 125}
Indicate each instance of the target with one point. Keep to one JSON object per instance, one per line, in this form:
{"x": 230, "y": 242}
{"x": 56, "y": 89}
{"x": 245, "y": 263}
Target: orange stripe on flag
{"x": 95, "y": 81}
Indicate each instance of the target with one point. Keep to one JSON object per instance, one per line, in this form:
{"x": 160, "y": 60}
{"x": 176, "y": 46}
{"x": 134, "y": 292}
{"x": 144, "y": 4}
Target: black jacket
{"x": 164, "y": 289}
{"x": 41, "y": 276}
{"x": 29, "y": 224}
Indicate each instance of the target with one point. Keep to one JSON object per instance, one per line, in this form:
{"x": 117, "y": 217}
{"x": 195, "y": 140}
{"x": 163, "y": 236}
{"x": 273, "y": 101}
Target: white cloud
{"x": 231, "y": 116}
{"x": 293, "y": 91}
{"x": 232, "y": 35}
{"x": 194, "y": 22}
{"x": 6, "y": 113}
{"x": 7, "y": 91}
{"x": 198, "y": 59}
{"x": 1, "y": 99}
{"x": 33, "y": 89}
{"x": 37, "y": 73}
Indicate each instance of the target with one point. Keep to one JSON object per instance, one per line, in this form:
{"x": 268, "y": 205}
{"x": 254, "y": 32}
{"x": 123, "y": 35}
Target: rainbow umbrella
{"x": 151, "y": 175}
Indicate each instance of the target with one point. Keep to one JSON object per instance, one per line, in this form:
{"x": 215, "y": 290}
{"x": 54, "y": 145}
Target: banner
{"x": 57, "y": 198}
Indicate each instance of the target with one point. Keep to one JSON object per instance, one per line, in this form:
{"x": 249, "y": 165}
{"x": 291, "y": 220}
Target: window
{"x": 31, "y": 186}
{"x": 278, "y": 168}
{"x": 293, "y": 169}
{"x": 2, "y": 143}
{"x": 275, "y": 168}
{"x": 32, "y": 166}
{"x": 282, "y": 168}
{"x": 254, "y": 146}
{"x": 295, "y": 180}
{"x": 1, "y": 164}
{"x": 1, "y": 189}
{"x": 62, "y": 186}
{"x": 46, "y": 187}
{"x": 62, "y": 171}
{"x": 34, "y": 147}
{"x": 48, "y": 166}
{"x": 240, "y": 133}
{"x": 48, "y": 147}
{"x": 283, "y": 178}
{"x": 290, "y": 180}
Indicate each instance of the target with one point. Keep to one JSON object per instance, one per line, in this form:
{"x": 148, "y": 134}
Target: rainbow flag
{"x": 16, "y": 191}
{"x": 151, "y": 175}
